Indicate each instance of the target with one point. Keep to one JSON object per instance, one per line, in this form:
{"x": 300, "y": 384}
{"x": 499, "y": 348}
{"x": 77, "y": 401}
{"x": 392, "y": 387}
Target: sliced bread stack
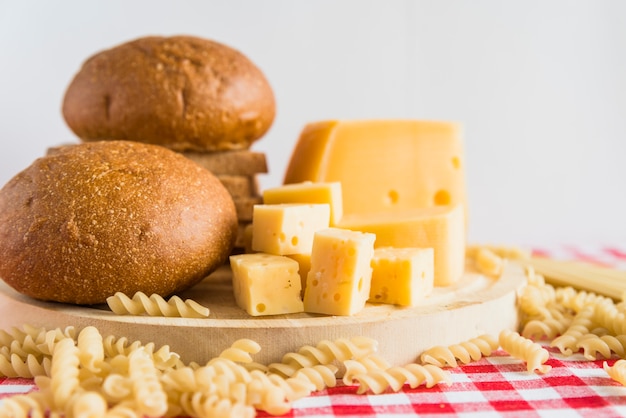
{"x": 238, "y": 171}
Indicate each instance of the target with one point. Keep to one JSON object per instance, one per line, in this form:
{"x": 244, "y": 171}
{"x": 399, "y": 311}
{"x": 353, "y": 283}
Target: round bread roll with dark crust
{"x": 182, "y": 92}
{"x": 93, "y": 219}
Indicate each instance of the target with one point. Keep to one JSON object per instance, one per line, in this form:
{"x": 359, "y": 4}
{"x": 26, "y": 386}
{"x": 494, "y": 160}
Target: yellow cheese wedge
{"x": 287, "y": 228}
{"x": 308, "y": 192}
{"x": 383, "y": 164}
{"x": 266, "y": 284}
{"x": 402, "y": 276}
{"x": 441, "y": 228}
{"x": 340, "y": 276}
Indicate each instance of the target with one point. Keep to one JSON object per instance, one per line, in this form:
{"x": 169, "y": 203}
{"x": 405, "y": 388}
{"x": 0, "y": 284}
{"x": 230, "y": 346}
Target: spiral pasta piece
{"x": 321, "y": 376}
{"x": 47, "y": 340}
{"x": 534, "y": 297}
{"x": 197, "y": 404}
{"x": 64, "y": 372}
{"x": 378, "y": 381}
{"x": 240, "y": 351}
{"x": 88, "y": 405}
{"x": 148, "y": 393}
{"x": 546, "y": 329}
{"x": 31, "y": 405}
{"x": 581, "y": 325}
{"x": 616, "y": 372}
{"x": 15, "y": 366}
{"x": 116, "y": 387}
{"x": 325, "y": 352}
{"x": 465, "y": 352}
{"x": 90, "y": 349}
{"x": 362, "y": 366}
{"x": 606, "y": 345}
{"x": 114, "y": 346}
{"x": 577, "y": 300}
{"x": 525, "y": 349}
{"x": 156, "y": 305}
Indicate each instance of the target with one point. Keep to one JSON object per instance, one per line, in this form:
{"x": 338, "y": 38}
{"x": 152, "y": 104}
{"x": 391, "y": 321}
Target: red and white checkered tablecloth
{"x": 498, "y": 385}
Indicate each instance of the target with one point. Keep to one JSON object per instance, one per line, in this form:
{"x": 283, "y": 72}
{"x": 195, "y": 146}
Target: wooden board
{"x": 475, "y": 305}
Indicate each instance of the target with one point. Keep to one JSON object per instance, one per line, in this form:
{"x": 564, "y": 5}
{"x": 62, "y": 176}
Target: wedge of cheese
{"x": 339, "y": 280}
{"x": 308, "y": 192}
{"x": 266, "y": 284}
{"x": 287, "y": 228}
{"x": 383, "y": 164}
{"x": 402, "y": 276}
{"x": 441, "y": 228}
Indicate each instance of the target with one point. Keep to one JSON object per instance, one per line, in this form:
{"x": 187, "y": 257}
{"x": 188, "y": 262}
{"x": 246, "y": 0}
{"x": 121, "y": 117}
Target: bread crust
{"x": 90, "y": 220}
{"x": 182, "y": 92}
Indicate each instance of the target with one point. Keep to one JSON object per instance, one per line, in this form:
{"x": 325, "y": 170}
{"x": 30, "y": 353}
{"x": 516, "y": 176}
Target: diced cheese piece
{"x": 304, "y": 261}
{"x": 266, "y": 284}
{"x": 383, "y": 164}
{"x": 339, "y": 280}
{"x": 402, "y": 276}
{"x": 287, "y": 228}
{"x": 441, "y": 228}
{"x": 308, "y": 192}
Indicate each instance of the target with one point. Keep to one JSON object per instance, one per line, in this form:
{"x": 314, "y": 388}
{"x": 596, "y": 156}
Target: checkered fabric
{"x": 496, "y": 386}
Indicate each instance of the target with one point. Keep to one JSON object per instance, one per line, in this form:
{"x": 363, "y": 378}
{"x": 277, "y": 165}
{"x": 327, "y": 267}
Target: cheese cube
{"x": 402, "y": 276}
{"x": 266, "y": 284}
{"x": 309, "y": 192}
{"x": 339, "y": 280}
{"x": 287, "y": 228}
{"x": 441, "y": 228}
{"x": 383, "y": 164}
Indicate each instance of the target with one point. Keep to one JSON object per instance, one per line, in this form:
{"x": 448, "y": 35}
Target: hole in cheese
{"x": 282, "y": 236}
{"x": 337, "y": 297}
{"x": 294, "y": 240}
{"x": 351, "y": 252}
{"x": 392, "y": 197}
{"x": 260, "y": 307}
{"x": 442, "y": 198}
{"x": 456, "y": 162}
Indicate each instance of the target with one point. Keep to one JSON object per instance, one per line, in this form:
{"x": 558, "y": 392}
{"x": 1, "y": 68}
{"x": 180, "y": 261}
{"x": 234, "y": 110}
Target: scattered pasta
{"x": 81, "y": 373}
{"x": 465, "y": 352}
{"x": 156, "y": 305}
{"x": 378, "y": 380}
{"x": 616, "y": 372}
{"x": 525, "y": 349}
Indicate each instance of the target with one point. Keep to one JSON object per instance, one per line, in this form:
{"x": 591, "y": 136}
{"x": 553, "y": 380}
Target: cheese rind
{"x": 402, "y": 276}
{"x": 339, "y": 280}
{"x": 441, "y": 228}
{"x": 266, "y": 284}
{"x": 287, "y": 228}
{"x": 308, "y": 192}
{"x": 383, "y": 164}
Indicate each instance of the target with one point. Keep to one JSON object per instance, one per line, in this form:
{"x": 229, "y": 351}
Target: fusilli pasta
{"x": 524, "y": 349}
{"x": 156, "y": 305}
{"x": 465, "y": 352}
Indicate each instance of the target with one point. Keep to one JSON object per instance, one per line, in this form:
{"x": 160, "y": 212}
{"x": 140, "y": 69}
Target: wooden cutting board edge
{"x": 403, "y": 334}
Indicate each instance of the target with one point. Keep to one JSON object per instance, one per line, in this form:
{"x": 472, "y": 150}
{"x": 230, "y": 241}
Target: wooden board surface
{"x": 475, "y": 305}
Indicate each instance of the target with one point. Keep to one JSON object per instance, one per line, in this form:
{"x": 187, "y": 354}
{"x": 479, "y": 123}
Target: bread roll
{"x": 181, "y": 92}
{"x": 93, "y": 219}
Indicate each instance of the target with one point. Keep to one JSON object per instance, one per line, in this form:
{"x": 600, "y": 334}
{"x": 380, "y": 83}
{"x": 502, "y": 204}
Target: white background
{"x": 539, "y": 86}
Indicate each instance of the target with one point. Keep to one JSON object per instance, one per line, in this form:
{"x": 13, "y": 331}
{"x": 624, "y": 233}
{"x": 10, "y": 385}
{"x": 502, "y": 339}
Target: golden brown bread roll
{"x": 93, "y": 219}
{"x": 182, "y": 92}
